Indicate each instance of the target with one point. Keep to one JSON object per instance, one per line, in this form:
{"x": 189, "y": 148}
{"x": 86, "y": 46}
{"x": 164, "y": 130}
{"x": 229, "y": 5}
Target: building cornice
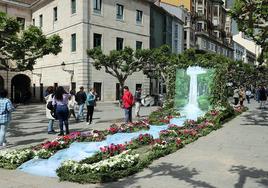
{"x": 15, "y": 3}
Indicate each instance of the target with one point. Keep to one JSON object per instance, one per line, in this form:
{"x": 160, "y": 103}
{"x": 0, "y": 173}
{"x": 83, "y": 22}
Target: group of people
{"x": 241, "y": 94}
{"x": 64, "y": 105}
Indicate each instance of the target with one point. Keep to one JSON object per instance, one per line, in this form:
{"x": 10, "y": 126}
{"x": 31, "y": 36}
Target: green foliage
{"x": 24, "y": 47}
{"x": 120, "y": 64}
{"x": 251, "y": 17}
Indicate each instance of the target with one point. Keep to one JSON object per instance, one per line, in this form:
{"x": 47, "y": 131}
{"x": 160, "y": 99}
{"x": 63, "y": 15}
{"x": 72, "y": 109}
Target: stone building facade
{"x": 83, "y": 25}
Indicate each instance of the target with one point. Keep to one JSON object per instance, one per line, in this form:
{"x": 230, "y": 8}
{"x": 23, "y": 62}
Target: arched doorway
{"x": 20, "y": 89}
{"x": 2, "y": 83}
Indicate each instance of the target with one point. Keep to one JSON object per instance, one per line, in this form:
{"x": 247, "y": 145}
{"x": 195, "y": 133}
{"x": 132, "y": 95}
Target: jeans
{"x": 80, "y": 112}
{"x": 50, "y": 125}
{"x": 3, "y": 130}
{"x": 62, "y": 113}
{"x": 248, "y": 98}
{"x": 90, "y": 110}
{"x": 137, "y": 108}
{"x": 71, "y": 112}
{"x": 128, "y": 115}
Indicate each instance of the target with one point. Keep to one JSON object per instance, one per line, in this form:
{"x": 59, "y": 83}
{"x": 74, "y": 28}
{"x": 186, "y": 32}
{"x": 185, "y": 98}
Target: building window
{"x": 185, "y": 35}
{"x": 73, "y": 6}
{"x": 97, "y": 40}
{"x": 21, "y": 22}
{"x": 97, "y": 4}
{"x": 176, "y": 32}
{"x": 41, "y": 21}
{"x": 73, "y": 42}
{"x": 176, "y": 45}
{"x": 215, "y": 11}
{"x": 55, "y": 14}
{"x": 119, "y": 43}
{"x": 119, "y": 12}
{"x": 138, "y": 45}
{"x": 139, "y": 14}
{"x": 199, "y": 26}
{"x": 33, "y": 22}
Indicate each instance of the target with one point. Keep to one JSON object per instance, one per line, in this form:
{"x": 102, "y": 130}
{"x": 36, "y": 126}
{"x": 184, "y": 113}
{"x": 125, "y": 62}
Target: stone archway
{"x": 20, "y": 89}
{"x": 2, "y": 82}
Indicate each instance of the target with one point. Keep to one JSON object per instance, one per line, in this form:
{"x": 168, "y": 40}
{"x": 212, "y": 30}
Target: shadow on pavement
{"x": 164, "y": 169}
{"x": 30, "y": 141}
{"x": 245, "y": 172}
{"x": 257, "y": 117}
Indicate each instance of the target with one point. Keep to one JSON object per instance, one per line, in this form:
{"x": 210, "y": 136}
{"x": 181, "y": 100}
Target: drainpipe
{"x": 88, "y": 44}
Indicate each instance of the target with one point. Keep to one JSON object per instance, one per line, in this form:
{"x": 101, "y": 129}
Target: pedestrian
{"x": 96, "y": 96}
{"x": 236, "y": 96}
{"x": 248, "y": 95}
{"x": 137, "y": 102}
{"x": 242, "y": 96}
{"x": 128, "y": 102}
{"x": 90, "y": 102}
{"x": 80, "y": 99}
{"x": 258, "y": 94}
{"x": 71, "y": 104}
{"x": 60, "y": 100}
{"x": 51, "y": 119}
{"x": 263, "y": 97}
{"x": 6, "y": 108}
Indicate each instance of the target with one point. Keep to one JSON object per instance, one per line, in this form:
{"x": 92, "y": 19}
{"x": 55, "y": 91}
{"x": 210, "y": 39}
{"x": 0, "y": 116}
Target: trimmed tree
{"x": 120, "y": 64}
{"x": 23, "y": 48}
{"x": 251, "y": 17}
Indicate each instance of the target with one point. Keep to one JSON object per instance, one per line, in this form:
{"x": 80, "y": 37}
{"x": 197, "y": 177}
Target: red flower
{"x": 178, "y": 141}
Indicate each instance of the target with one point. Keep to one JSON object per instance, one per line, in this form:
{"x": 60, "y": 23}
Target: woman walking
{"x": 90, "y": 102}
{"x": 6, "y": 108}
{"x": 71, "y": 104}
{"x": 60, "y": 100}
{"x": 263, "y": 97}
{"x": 242, "y": 96}
{"x": 51, "y": 119}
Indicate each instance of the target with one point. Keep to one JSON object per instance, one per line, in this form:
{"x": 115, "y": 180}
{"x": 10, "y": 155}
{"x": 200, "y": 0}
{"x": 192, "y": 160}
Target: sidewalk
{"x": 234, "y": 156}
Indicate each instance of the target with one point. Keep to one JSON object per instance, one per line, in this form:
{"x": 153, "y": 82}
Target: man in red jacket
{"x": 128, "y": 102}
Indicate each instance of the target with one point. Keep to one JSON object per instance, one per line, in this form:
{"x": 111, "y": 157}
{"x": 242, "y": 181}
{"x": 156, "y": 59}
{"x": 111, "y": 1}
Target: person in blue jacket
{"x": 90, "y": 102}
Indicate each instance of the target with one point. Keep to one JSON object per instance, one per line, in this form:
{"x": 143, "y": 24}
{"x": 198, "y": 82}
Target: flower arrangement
{"x": 118, "y": 162}
{"x": 11, "y": 159}
{"x": 112, "y": 150}
{"x": 143, "y": 139}
{"x": 129, "y": 128}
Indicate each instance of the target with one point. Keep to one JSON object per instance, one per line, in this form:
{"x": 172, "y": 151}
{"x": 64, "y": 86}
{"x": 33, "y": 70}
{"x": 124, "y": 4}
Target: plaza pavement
{"x": 234, "y": 156}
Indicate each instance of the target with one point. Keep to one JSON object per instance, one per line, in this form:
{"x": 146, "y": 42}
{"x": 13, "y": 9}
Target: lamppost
{"x": 71, "y": 72}
{"x": 39, "y": 75}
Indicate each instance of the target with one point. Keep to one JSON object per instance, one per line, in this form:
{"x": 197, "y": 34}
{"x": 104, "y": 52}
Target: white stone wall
{"x": 85, "y": 23}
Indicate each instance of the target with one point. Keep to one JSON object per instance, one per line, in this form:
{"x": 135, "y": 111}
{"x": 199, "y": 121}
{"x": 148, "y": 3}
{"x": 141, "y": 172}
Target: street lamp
{"x": 39, "y": 75}
{"x": 66, "y": 70}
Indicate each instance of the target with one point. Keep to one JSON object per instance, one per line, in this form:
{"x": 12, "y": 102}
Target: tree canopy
{"x": 19, "y": 50}
{"x": 252, "y": 20}
{"x": 120, "y": 64}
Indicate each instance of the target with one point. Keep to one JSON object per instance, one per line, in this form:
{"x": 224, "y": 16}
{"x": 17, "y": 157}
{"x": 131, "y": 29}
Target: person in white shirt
{"x": 248, "y": 94}
{"x": 71, "y": 104}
